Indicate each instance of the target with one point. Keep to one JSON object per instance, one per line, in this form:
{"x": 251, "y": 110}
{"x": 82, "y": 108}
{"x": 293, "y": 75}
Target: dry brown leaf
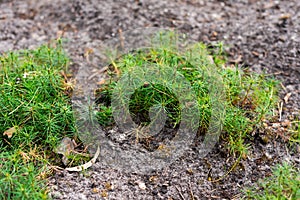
{"x": 255, "y": 53}
{"x": 287, "y": 97}
{"x": 286, "y": 123}
{"x": 109, "y": 186}
{"x": 10, "y": 132}
{"x": 237, "y": 60}
{"x": 153, "y": 179}
{"x": 87, "y": 53}
{"x": 65, "y": 148}
{"x": 101, "y": 82}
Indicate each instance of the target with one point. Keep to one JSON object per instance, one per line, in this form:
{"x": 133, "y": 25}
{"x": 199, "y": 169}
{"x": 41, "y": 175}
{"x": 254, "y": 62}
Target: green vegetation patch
{"x": 248, "y": 97}
{"x": 35, "y": 115}
{"x": 283, "y": 184}
{"x": 36, "y": 112}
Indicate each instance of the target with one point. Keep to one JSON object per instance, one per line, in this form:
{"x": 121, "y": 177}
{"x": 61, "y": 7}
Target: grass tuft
{"x": 35, "y": 115}
{"x": 248, "y": 97}
{"x": 283, "y": 184}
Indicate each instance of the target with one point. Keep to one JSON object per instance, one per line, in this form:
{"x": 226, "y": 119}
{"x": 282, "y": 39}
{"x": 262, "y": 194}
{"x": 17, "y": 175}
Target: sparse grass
{"x": 35, "y": 115}
{"x": 284, "y": 184}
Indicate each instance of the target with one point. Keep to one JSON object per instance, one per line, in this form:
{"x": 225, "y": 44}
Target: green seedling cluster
{"x": 248, "y": 97}
{"x": 284, "y": 184}
{"x": 35, "y": 115}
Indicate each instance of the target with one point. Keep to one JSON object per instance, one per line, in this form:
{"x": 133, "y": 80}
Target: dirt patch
{"x": 259, "y": 35}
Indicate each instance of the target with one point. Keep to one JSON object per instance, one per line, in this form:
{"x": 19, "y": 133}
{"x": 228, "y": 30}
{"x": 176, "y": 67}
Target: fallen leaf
{"x": 237, "y": 60}
{"x": 255, "y": 53}
{"x": 101, "y": 82}
{"x": 65, "y": 147}
{"x": 190, "y": 171}
{"x": 287, "y": 97}
{"x": 10, "y": 132}
{"x": 87, "y": 53}
{"x": 286, "y": 123}
{"x": 153, "y": 179}
{"x": 109, "y": 186}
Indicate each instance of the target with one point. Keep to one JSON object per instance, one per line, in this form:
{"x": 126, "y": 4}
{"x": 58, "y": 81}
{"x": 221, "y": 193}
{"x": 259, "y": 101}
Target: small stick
{"x": 100, "y": 71}
{"x": 284, "y": 88}
{"x": 57, "y": 168}
{"x": 121, "y": 38}
{"x": 280, "y": 105}
{"x": 86, "y": 165}
{"x": 191, "y": 191}
{"x": 180, "y": 194}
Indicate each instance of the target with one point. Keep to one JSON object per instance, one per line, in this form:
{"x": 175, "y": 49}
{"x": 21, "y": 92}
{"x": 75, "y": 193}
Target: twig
{"x": 230, "y": 170}
{"x": 280, "y": 105}
{"x": 180, "y": 194}
{"x": 284, "y": 88}
{"x": 86, "y": 165}
{"x": 121, "y": 38}
{"x": 57, "y": 168}
{"x": 191, "y": 191}
{"x": 100, "y": 71}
